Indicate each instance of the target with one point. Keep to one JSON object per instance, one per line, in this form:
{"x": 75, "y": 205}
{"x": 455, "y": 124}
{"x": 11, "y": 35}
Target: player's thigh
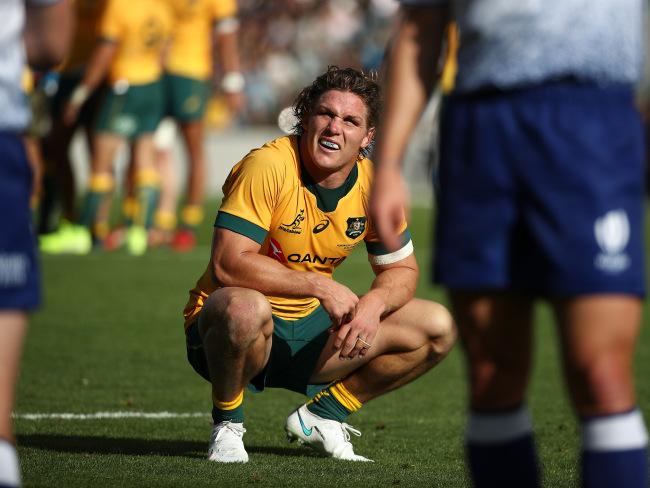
{"x": 419, "y": 323}
{"x": 144, "y": 152}
{"x": 598, "y": 335}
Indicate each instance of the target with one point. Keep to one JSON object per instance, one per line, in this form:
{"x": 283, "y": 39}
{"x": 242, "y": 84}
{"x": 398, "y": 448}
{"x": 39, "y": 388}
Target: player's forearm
{"x": 98, "y": 65}
{"x": 392, "y": 289}
{"x": 410, "y": 74}
{"x": 269, "y": 277}
{"x": 48, "y": 33}
{"x": 228, "y": 51}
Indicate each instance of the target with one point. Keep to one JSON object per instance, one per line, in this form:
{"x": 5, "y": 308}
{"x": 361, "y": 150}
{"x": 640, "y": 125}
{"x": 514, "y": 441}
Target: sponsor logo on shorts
{"x": 612, "y": 232}
{"x": 124, "y": 124}
{"x": 322, "y": 225}
{"x": 13, "y": 270}
{"x": 294, "y": 227}
{"x": 191, "y": 104}
{"x": 356, "y": 226}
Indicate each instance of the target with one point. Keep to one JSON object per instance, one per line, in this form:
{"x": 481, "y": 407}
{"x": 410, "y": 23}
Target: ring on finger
{"x": 366, "y": 345}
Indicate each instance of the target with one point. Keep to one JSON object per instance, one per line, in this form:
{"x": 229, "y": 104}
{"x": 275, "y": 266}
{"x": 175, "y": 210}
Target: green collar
{"x": 328, "y": 198}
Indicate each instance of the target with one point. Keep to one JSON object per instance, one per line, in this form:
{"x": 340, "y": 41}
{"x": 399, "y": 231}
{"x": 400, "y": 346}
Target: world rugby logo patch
{"x": 612, "y": 232}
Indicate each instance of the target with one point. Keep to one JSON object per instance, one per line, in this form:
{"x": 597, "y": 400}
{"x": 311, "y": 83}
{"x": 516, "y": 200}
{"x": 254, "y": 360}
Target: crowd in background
{"x": 285, "y": 44}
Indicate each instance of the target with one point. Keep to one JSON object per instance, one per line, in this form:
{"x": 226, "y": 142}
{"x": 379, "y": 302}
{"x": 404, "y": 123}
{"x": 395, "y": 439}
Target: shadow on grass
{"x": 140, "y": 447}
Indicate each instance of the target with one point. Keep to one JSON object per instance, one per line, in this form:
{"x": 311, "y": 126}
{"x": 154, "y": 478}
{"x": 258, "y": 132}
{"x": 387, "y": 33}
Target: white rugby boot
{"x": 226, "y": 443}
{"x": 329, "y": 437}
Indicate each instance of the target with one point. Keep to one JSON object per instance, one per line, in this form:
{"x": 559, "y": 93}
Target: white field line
{"x": 109, "y": 415}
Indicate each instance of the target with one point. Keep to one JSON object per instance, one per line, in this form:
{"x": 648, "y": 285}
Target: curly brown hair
{"x": 342, "y": 79}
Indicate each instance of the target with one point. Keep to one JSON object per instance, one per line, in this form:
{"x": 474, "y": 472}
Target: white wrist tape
{"x": 233, "y": 82}
{"x": 79, "y": 95}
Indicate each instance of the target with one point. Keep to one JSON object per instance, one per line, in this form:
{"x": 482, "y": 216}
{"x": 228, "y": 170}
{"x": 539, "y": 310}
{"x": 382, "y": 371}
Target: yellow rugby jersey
{"x": 269, "y": 198}
{"x": 190, "y": 53}
{"x": 140, "y": 28}
{"x": 87, "y": 15}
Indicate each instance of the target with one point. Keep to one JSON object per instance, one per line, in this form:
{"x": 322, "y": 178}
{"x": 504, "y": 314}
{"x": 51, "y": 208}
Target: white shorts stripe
{"x": 615, "y": 433}
{"x": 393, "y": 257}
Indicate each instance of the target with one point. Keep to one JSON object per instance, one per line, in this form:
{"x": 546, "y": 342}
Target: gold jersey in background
{"x": 190, "y": 53}
{"x": 141, "y": 29}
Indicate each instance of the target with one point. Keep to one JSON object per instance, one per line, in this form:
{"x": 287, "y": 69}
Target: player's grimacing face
{"x": 336, "y": 130}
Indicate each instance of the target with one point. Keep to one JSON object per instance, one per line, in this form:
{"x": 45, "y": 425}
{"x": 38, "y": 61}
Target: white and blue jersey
{"x": 506, "y": 43}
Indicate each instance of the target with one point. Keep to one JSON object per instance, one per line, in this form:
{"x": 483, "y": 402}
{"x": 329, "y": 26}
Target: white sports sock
{"x": 9, "y": 468}
{"x": 489, "y": 428}
{"x": 615, "y": 432}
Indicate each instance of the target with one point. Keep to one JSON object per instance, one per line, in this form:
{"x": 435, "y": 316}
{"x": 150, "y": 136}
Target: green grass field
{"x": 109, "y": 338}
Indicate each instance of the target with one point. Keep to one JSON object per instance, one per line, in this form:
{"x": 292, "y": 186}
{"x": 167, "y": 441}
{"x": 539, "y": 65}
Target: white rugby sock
{"x": 620, "y": 432}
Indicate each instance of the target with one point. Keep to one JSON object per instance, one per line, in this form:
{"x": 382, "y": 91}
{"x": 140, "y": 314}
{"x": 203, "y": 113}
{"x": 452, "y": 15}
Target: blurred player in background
{"x": 47, "y": 32}
{"x": 59, "y": 182}
{"x": 267, "y": 313}
{"x": 200, "y": 25}
{"x": 132, "y": 37}
{"x": 540, "y": 195}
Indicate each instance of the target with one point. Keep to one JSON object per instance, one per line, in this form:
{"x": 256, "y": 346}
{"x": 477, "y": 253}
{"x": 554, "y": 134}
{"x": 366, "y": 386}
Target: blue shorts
{"x": 19, "y": 275}
{"x": 541, "y": 190}
{"x": 296, "y": 346}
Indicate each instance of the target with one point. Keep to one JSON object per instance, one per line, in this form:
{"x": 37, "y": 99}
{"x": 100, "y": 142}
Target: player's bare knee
{"x": 442, "y": 330}
{"x": 240, "y": 315}
{"x": 603, "y": 386}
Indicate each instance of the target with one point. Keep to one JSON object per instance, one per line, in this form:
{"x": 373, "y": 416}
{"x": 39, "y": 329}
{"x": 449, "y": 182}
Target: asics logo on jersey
{"x": 322, "y": 225}
{"x": 294, "y": 227}
{"x": 305, "y": 430}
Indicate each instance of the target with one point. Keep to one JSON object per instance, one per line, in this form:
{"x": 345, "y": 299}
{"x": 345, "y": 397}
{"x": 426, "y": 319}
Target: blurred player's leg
{"x": 598, "y": 336}
{"x": 147, "y": 184}
{"x": 101, "y": 182}
{"x": 499, "y": 438}
{"x": 192, "y": 212}
{"x": 61, "y": 188}
{"x": 165, "y": 216}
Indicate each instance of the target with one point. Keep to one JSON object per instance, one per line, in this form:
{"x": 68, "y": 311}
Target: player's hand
{"x": 338, "y": 300}
{"x": 388, "y": 204}
{"x": 356, "y": 337}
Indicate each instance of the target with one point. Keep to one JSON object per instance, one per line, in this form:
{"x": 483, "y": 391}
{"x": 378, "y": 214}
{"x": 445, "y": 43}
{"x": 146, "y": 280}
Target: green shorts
{"x": 131, "y": 111}
{"x": 186, "y": 98}
{"x": 296, "y": 347}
